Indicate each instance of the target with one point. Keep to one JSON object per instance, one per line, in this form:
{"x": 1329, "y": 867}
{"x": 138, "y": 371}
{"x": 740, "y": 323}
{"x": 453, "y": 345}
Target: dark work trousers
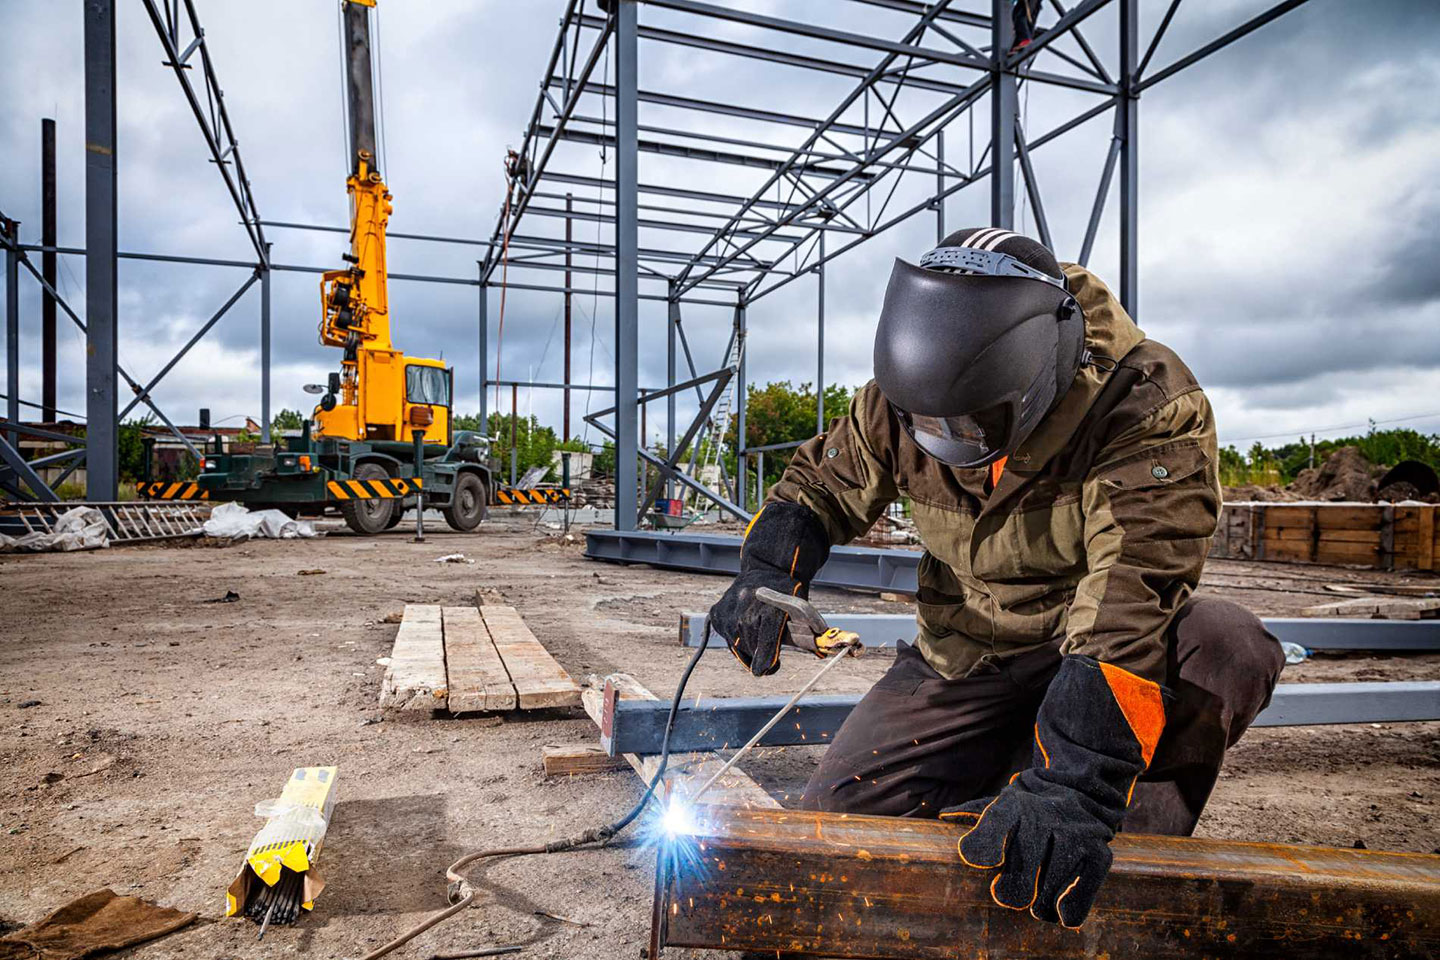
{"x": 918, "y": 742}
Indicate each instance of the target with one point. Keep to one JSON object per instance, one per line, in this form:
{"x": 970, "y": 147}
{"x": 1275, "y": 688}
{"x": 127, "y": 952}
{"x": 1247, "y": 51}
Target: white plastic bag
{"x": 82, "y": 528}
{"x": 231, "y": 521}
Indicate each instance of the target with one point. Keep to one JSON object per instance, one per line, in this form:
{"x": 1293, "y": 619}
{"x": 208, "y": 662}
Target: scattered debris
{"x": 27, "y": 704}
{"x": 230, "y": 597}
{"x": 453, "y": 558}
{"x": 556, "y": 917}
{"x": 233, "y": 522}
{"x": 392, "y": 617}
{"x": 310, "y": 573}
{"x": 98, "y": 922}
{"x": 482, "y": 952}
{"x": 80, "y": 529}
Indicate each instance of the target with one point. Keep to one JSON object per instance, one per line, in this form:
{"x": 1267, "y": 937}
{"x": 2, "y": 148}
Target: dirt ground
{"x": 162, "y": 719}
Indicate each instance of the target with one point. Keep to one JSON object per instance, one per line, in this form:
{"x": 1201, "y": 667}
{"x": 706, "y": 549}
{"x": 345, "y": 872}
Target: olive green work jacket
{"x": 1095, "y": 534}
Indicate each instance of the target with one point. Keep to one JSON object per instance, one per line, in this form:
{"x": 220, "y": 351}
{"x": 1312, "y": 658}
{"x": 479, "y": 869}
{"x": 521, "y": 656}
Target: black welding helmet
{"x": 977, "y": 344}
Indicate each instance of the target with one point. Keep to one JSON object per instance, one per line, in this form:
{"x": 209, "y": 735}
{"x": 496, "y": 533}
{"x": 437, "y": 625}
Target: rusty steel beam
{"x": 882, "y": 887}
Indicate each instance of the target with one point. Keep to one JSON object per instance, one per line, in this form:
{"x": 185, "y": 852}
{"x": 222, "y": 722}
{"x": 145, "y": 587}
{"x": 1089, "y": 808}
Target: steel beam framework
{"x": 823, "y": 182}
{"x": 872, "y": 161}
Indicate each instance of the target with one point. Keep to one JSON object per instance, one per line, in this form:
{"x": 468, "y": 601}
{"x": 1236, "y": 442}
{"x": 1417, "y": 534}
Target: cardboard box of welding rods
{"x": 288, "y": 845}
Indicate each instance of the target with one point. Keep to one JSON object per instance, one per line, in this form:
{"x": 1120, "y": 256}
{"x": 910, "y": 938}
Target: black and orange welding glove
{"x": 785, "y": 546}
{"x": 1047, "y": 835}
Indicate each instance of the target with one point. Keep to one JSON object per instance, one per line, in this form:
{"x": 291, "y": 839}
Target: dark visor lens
{"x": 970, "y": 440}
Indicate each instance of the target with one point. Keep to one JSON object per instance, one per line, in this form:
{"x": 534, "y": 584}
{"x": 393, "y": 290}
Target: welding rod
{"x": 839, "y": 654}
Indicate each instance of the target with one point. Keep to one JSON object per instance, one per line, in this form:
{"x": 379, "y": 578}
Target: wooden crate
{"x": 1377, "y": 535}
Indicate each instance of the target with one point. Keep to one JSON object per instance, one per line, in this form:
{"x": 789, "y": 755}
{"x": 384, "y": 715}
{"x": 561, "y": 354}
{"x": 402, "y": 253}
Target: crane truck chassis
{"x": 371, "y": 482}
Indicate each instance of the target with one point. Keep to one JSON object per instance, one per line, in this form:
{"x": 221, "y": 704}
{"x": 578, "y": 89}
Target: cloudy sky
{"x": 1290, "y": 197}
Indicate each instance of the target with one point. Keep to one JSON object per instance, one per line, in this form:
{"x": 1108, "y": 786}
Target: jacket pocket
{"x": 1155, "y": 469}
{"x": 840, "y": 468}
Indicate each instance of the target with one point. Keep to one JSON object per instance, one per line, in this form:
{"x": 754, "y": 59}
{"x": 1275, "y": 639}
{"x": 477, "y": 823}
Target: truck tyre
{"x": 467, "y": 503}
{"x": 396, "y": 515}
{"x": 368, "y": 517}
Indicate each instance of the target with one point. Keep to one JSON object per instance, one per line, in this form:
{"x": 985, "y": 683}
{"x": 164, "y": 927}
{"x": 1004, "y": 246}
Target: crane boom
{"x": 379, "y": 394}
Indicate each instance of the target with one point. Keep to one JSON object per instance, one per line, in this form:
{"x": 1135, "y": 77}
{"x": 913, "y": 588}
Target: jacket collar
{"x": 1109, "y": 334}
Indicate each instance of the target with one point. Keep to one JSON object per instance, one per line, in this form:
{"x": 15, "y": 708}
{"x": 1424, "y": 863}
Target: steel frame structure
{"x": 834, "y": 181}
{"x": 827, "y": 189}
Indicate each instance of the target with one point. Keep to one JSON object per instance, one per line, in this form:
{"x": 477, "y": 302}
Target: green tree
{"x": 287, "y": 419}
{"x": 533, "y": 443}
{"x": 130, "y": 448}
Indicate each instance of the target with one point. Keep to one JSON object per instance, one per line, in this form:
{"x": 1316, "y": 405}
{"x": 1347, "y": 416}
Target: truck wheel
{"x": 467, "y": 503}
{"x": 368, "y": 517}
{"x": 396, "y": 515}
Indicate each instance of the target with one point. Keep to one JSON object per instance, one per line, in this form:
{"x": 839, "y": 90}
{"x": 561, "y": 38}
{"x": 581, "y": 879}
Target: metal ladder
{"x": 126, "y": 521}
{"x": 720, "y": 416}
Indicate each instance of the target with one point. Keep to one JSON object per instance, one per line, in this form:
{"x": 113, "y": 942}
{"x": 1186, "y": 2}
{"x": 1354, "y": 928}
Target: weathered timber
{"x": 1379, "y": 535}
{"x": 476, "y": 676}
{"x": 539, "y": 680}
{"x": 879, "y": 887}
{"x": 415, "y": 678}
{"x": 577, "y": 759}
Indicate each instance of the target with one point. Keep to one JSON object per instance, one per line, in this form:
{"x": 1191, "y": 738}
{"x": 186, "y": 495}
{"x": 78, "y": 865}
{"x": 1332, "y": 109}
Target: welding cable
{"x": 462, "y": 894}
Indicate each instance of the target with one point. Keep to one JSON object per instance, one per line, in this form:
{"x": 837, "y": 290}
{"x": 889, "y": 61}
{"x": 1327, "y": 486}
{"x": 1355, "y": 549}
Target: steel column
{"x": 47, "y": 269}
{"x": 482, "y": 310}
{"x": 742, "y": 388}
{"x": 1004, "y": 105}
{"x": 627, "y": 280}
{"x": 569, "y": 292}
{"x": 101, "y": 458}
{"x": 12, "y": 321}
{"x": 265, "y": 348}
{"x": 820, "y": 338}
{"x": 939, "y": 189}
{"x": 672, "y": 326}
{"x": 1129, "y": 123}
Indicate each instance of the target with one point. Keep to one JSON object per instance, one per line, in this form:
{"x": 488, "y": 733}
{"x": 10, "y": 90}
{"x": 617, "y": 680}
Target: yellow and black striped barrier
{"x": 167, "y": 490}
{"x": 510, "y": 497}
{"x": 389, "y": 488}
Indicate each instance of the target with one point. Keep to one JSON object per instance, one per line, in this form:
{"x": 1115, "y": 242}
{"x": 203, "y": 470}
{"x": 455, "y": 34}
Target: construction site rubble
{"x": 80, "y": 529}
{"x": 231, "y": 521}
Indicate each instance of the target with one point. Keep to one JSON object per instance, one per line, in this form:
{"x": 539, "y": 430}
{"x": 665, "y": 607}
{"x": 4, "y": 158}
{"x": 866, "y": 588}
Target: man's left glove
{"x": 785, "y": 546}
{"x": 1048, "y": 833}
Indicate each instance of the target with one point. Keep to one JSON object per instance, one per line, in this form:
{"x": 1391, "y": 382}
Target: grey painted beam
{"x": 101, "y": 291}
{"x": 638, "y": 726}
{"x": 627, "y": 268}
{"x": 1312, "y": 633}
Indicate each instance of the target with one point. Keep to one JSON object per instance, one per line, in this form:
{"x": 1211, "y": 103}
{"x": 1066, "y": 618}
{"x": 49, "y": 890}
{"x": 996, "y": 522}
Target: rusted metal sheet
{"x": 881, "y": 887}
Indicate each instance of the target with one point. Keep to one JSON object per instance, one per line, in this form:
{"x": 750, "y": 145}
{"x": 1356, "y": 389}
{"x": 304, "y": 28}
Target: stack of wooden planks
{"x": 1379, "y": 535}
{"x": 464, "y": 659}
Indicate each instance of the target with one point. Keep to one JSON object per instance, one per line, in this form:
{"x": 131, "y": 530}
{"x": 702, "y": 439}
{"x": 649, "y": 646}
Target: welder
{"x": 1061, "y": 471}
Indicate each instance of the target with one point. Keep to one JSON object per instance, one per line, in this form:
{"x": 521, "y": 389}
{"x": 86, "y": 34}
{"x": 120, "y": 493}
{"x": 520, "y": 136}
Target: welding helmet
{"x": 977, "y": 344}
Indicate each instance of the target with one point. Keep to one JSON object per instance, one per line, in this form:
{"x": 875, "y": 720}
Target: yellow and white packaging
{"x": 295, "y": 824}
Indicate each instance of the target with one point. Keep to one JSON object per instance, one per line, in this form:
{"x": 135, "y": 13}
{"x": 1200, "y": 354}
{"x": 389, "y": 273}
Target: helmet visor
{"x": 968, "y": 440}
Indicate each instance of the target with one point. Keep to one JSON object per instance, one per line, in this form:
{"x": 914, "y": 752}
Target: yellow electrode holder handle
{"x": 807, "y": 628}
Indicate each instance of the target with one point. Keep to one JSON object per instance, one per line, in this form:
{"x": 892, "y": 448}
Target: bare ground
{"x": 163, "y": 719}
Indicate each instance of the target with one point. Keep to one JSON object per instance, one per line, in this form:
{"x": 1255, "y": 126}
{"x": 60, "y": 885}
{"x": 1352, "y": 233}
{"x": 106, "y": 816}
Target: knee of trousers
{"x": 1222, "y": 640}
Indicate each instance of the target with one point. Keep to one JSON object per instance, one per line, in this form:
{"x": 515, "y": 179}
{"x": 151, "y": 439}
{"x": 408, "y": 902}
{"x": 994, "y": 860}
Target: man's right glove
{"x": 785, "y": 546}
{"x": 1048, "y": 833}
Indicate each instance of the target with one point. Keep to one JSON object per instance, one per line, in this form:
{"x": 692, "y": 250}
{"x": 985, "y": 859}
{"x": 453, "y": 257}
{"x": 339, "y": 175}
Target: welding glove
{"x": 1047, "y": 835}
{"x": 785, "y": 546}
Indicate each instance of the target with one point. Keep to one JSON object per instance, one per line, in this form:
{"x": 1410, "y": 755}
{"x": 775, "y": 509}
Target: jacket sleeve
{"x": 846, "y": 474}
{"x": 1151, "y": 503}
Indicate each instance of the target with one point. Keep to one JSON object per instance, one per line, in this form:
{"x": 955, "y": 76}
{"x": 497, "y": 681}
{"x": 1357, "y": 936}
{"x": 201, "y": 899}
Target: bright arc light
{"x": 678, "y": 819}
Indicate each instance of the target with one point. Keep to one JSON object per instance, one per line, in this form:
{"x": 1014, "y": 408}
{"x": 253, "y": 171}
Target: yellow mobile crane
{"x": 382, "y": 431}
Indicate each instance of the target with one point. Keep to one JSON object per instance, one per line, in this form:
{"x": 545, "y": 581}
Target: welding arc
{"x": 462, "y": 894}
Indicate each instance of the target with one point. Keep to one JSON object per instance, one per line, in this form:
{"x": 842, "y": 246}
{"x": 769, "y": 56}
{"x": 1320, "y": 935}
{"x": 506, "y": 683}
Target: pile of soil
{"x": 1345, "y": 475}
{"x": 1252, "y": 492}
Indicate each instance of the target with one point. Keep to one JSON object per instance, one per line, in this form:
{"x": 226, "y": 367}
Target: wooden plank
{"x": 578, "y": 759}
{"x": 1349, "y": 517}
{"x": 1425, "y": 529}
{"x": 539, "y": 681}
{"x": 855, "y": 886}
{"x": 477, "y": 678}
{"x": 415, "y": 678}
{"x": 685, "y": 771}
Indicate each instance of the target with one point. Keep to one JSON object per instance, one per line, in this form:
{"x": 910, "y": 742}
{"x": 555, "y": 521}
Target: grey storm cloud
{"x": 1289, "y": 228}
